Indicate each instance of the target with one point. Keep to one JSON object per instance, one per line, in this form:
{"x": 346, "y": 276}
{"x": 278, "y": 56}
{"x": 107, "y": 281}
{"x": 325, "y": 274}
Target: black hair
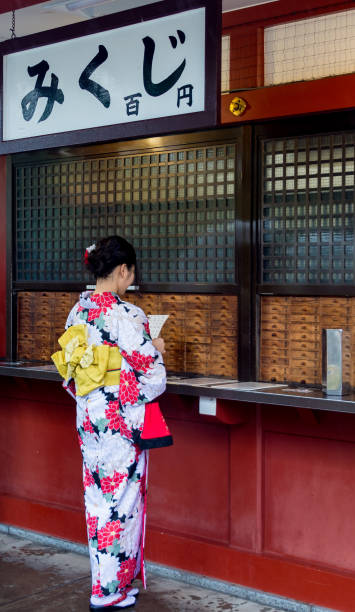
{"x": 109, "y": 253}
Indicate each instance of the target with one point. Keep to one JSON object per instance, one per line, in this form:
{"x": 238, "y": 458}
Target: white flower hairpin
{"x": 89, "y": 250}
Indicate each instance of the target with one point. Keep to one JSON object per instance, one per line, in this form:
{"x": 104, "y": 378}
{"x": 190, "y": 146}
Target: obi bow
{"x": 89, "y": 365}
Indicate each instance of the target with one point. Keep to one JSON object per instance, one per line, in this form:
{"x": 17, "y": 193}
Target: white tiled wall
{"x": 310, "y": 48}
{"x": 225, "y": 63}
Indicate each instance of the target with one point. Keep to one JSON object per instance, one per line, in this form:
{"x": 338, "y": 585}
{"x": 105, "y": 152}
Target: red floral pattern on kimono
{"x": 108, "y": 422}
{"x": 129, "y": 390}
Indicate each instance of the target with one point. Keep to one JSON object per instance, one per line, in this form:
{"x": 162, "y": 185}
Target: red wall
{"x": 293, "y": 99}
{"x": 268, "y": 503}
{"x": 10, "y": 5}
{"x": 246, "y": 29}
{"x": 40, "y": 475}
{"x": 246, "y": 26}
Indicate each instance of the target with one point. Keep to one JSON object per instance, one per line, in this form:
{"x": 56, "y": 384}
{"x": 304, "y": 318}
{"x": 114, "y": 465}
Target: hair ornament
{"x": 88, "y": 250}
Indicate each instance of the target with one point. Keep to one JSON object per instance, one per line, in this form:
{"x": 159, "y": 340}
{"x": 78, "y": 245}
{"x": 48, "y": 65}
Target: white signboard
{"x": 142, "y": 71}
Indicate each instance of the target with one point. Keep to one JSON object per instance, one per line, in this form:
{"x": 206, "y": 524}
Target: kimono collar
{"x": 107, "y": 298}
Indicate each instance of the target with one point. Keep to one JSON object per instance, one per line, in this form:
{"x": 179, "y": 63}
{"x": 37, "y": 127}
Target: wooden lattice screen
{"x": 200, "y": 334}
{"x": 177, "y": 207}
{"x": 291, "y": 335}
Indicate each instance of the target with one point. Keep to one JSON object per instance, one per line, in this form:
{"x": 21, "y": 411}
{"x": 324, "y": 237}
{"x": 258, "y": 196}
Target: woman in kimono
{"x": 113, "y": 367}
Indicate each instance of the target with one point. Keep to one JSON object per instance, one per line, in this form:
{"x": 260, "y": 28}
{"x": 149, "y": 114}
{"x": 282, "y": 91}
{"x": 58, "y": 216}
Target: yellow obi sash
{"x": 90, "y": 366}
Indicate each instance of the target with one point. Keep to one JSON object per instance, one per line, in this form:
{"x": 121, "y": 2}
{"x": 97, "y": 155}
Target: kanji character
{"x": 52, "y": 93}
{"x": 102, "y": 94}
{"x": 132, "y": 105}
{"x": 185, "y": 91}
{"x": 157, "y": 89}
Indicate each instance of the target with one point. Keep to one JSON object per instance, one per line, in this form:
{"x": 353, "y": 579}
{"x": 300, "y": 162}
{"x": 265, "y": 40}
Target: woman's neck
{"x": 104, "y": 286}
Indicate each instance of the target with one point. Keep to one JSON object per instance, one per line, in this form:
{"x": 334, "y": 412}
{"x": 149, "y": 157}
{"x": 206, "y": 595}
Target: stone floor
{"x": 34, "y": 577}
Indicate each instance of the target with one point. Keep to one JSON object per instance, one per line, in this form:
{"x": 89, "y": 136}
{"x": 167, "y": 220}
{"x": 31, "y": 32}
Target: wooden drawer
{"x": 25, "y": 295}
{"x": 310, "y": 363}
{"x": 273, "y": 310}
{"x": 272, "y": 373}
{"x": 274, "y": 300}
{"x": 172, "y": 331}
{"x": 172, "y": 302}
{"x": 196, "y": 355}
{"x": 274, "y": 325}
{"x": 25, "y": 303}
{"x": 270, "y": 351}
{"x": 39, "y": 338}
{"x": 334, "y": 320}
{"x": 303, "y": 375}
{"x": 200, "y": 302}
{"x": 314, "y": 347}
{"x": 198, "y": 339}
{"x": 303, "y": 335}
{"x": 338, "y": 314}
{"x": 273, "y": 343}
{"x": 277, "y": 361}
{"x": 223, "y": 328}
{"x": 224, "y": 302}
{"x": 223, "y": 367}
{"x": 43, "y": 311}
{"x": 312, "y": 355}
{"x": 221, "y": 345}
{"x": 332, "y": 302}
{"x": 303, "y": 309}
{"x": 273, "y": 315}
{"x": 308, "y": 328}
{"x": 301, "y": 319}
{"x": 38, "y": 353}
{"x": 149, "y": 304}
{"x": 224, "y": 316}
{"x": 197, "y": 323}
{"x": 66, "y": 306}
{"x": 272, "y": 335}
{"x": 174, "y": 358}
{"x": 196, "y": 364}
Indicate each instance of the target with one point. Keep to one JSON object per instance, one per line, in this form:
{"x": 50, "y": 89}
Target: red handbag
{"x": 155, "y": 433}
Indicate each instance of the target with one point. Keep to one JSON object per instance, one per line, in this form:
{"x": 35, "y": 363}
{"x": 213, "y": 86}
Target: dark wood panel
{"x": 201, "y": 332}
{"x": 291, "y": 335}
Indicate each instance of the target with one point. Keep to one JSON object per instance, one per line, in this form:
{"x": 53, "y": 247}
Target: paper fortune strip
{"x": 156, "y": 323}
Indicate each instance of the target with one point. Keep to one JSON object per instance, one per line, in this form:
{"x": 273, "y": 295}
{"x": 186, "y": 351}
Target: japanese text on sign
{"x": 144, "y": 71}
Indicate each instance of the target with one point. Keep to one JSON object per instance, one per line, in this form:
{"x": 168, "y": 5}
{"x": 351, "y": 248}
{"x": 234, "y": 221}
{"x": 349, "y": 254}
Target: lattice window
{"x": 225, "y": 64}
{"x": 310, "y": 48}
{"x": 176, "y": 207}
{"x": 307, "y": 229}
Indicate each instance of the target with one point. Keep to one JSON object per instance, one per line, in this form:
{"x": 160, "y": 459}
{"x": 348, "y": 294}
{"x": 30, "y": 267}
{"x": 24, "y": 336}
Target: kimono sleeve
{"x": 71, "y": 316}
{"x": 138, "y": 351}
{"x": 69, "y": 385}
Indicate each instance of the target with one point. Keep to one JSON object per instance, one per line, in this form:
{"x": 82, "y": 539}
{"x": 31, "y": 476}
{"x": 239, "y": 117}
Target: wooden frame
{"x": 222, "y": 136}
{"x": 298, "y": 126}
{"x": 282, "y": 128}
{"x": 190, "y": 121}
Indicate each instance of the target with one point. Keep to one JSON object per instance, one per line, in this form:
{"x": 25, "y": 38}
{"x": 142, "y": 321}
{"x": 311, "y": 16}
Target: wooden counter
{"x": 257, "y": 393}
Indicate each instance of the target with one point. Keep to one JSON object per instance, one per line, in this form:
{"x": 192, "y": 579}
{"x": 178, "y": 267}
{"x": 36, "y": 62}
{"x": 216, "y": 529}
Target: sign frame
{"x": 208, "y": 118}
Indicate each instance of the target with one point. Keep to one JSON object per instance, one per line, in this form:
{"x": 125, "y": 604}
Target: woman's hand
{"x": 159, "y": 344}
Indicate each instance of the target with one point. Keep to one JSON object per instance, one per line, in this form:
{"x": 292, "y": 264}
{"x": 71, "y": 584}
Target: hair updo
{"x": 109, "y": 253}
